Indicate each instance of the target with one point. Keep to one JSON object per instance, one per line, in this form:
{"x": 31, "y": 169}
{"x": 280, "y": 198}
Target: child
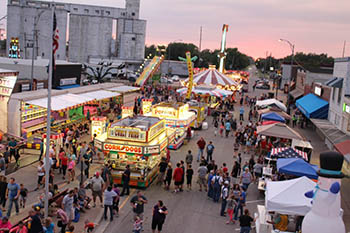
{"x": 89, "y": 226}
{"x": 231, "y": 203}
{"x": 222, "y": 127}
{"x": 189, "y": 174}
{"x": 23, "y": 193}
{"x": 137, "y": 224}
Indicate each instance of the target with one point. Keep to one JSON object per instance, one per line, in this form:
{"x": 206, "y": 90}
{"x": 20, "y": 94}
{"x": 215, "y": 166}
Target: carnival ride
{"x": 222, "y": 54}
{"x": 189, "y": 61}
{"x": 149, "y": 70}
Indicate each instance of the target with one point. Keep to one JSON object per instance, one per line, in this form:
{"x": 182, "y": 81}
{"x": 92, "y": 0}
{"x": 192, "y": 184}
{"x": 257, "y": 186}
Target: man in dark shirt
{"x": 162, "y": 168}
{"x": 126, "y": 180}
{"x": 137, "y": 203}
{"x": 35, "y": 222}
{"x": 245, "y": 222}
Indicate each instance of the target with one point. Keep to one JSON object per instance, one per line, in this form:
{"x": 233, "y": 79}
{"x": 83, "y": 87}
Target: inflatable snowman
{"x": 325, "y": 214}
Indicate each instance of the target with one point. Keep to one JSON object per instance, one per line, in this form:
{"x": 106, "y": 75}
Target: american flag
{"x": 55, "y": 35}
{"x": 288, "y": 152}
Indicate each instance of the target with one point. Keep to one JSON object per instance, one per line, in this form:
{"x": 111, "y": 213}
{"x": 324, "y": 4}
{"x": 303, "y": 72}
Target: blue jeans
{"x": 210, "y": 191}
{"x": 239, "y": 207}
{"x": 216, "y": 193}
{"x": 245, "y": 229}
{"x": 223, "y": 207}
{"x": 11, "y": 200}
{"x": 200, "y": 153}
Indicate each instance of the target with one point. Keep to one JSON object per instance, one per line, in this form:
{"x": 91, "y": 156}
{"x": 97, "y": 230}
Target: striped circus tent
{"x": 206, "y": 90}
{"x": 213, "y": 77}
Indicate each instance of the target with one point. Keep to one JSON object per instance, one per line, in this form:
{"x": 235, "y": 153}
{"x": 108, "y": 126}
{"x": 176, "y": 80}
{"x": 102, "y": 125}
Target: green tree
{"x": 311, "y": 61}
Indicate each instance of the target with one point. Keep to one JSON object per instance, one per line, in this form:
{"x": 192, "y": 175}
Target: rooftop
{"x": 142, "y": 122}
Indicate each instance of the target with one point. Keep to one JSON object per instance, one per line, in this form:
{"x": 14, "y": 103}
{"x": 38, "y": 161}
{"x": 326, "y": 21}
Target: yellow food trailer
{"x": 139, "y": 142}
{"x": 201, "y": 113}
{"x": 177, "y": 117}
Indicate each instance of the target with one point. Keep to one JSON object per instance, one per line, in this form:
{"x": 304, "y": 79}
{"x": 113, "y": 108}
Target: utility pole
{"x": 344, "y": 48}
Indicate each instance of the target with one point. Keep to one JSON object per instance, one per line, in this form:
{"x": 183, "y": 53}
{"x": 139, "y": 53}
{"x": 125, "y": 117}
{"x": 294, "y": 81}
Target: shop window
{"x": 97, "y": 11}
{"x": 108, "y": 12}
{"x": 339, "y": 95}
{"x": 333, "y": 94}
{"x": 86, "y": 11}
{"x": 75, "y": 9}
{"x": 133, "y": 13}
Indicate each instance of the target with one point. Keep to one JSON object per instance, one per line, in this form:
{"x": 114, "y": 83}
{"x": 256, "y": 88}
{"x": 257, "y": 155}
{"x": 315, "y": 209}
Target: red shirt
{"x": 224, "y": 169}
{"x": 64, "y": 161}
{"x": 263, "y": 144}
{"x": 201, "y": 144}
{"x": 178, "y": 172}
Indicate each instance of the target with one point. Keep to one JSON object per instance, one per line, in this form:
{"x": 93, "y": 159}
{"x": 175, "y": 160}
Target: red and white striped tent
{"x": 288, "y": 152}
{"x": 213, "y": 77}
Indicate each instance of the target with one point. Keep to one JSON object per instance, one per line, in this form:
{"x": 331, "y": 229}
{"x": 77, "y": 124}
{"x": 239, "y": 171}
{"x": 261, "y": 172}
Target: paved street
{"x": 189, "y": 211}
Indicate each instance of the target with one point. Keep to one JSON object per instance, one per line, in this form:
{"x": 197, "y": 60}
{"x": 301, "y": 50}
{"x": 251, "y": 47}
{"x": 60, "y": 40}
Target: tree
{"x": 102, "y": 72}
{"x": 150, "y": 50}
{"x": 175, "y": 50}
{"x": 311, "y": 61}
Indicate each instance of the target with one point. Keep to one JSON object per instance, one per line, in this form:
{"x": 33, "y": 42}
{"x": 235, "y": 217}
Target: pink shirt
{"x": 18, "y": 230}
{"x": 7, "y": 225}
{"x": 71, "y": 164}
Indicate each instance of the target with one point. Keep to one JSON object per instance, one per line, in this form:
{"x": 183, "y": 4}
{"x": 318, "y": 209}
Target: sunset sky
{"x": 317, "y": 26}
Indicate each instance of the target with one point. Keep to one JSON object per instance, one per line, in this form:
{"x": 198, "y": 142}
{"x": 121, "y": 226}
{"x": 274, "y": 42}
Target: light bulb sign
{"x": 14, "y": 49}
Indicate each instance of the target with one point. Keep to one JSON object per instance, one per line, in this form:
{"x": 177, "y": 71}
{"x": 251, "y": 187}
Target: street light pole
{"x": 292, "y": 46}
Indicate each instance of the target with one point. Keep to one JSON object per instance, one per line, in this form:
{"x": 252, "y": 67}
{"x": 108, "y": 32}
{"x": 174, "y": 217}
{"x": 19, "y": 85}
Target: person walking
{"x": 12, "y": 145}
{"x": 67, "y": 206}
{"x": 162, "y": 169}
{"x": 201, "y": 145}
{"x": 64, "y": 164}
{"x": 71, "y": 171}
{"x": 210, "y": 151}
{"x": 224, "y": 196}
{"x": 216, "y": 186}
{"x": 3, "y": 191}
{"x": 202, "y": 181}
{"x": 13, "y": 192}
{"x": 245, "y": 222}
{"x": 137, "y": 202}
{"x": 97, "y": 187}
{"x": 108, "y": 197}
{"x": 216, "y": 127}
{"x": 159, "y": 215}
{"x": 241, "y": 113}
{"x": 183, "y": 175}
{"x": 178, "y": 172}
{"x": 240, "y": 203}
{"x": 246, "y": 178}
{"x": 189, "y": 174}
{"x": 2, "y": 165}
{"x": 227, "y": 128}
{"x": 231, "y": 205}
{"x": 126, "y": 180}
{"x": 169, "y": 175}
{"x": 189, "y": 158}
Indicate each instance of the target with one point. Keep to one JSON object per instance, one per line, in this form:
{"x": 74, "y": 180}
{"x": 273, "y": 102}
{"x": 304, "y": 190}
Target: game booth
{"x": 139, "y": 142}
{"x": 178, "y": 119}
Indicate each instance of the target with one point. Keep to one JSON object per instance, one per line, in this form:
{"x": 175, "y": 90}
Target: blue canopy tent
{"x": 313, "y": 107}
{"x": 297, "y": 167}
{"x": 272, "y": 116}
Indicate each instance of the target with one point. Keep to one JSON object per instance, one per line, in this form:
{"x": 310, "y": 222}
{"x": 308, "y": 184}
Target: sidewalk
{"x": 28, "y": 157}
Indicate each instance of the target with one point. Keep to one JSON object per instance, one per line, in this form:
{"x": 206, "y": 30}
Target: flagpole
{"x": 48, "y": 120}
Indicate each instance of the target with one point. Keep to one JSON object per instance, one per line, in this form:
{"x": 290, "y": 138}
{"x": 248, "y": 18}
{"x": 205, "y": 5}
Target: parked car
{"x": 165, "y": 80}
{"x": 175, "y": 78}
{"x": 265, "y": 86}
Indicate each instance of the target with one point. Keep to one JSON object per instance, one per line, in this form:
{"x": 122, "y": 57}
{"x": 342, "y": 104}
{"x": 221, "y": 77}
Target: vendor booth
{"x": 139, "y": 142}
{"x": 271, "y": 103}
{"x": 178, "y": 119}
{"x": 98, "y": 126}
{"x": 313, "y": 107}
{"x": 278, "y": 130}
{"x": 128, "y": 93}
{"x": 304, "y": 146}
{"x": 272, "y": 116}
{"x": 287, "y": 152}
{"x": 297, "y": 167}
{"x": 200, "y": 109}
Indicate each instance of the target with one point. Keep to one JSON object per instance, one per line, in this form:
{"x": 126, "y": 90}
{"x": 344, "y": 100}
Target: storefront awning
{"x": 313, "y": 107}
{"x": 100, "y": 95}
{"x": 344, "y": 149}
{"x": 335, "y": 82}
{"x": 296, "y": 93}
{"x": 60, "y": 102}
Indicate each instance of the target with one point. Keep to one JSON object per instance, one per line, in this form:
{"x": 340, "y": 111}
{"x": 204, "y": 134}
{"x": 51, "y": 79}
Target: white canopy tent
{"x": 60, "y": 102}
{"x": 287, "y": 197}
{"x": 269, "y": 102}
{"x": 100, "y": 95}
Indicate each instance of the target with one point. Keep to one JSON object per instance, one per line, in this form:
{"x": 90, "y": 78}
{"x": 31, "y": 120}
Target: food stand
{"x": 177, "y": 119}
{"x": 201, "y": 112}
{"x": 56, "y": 139}
{"x": 98, "y": 126}
{"x": 139, "y": 142}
